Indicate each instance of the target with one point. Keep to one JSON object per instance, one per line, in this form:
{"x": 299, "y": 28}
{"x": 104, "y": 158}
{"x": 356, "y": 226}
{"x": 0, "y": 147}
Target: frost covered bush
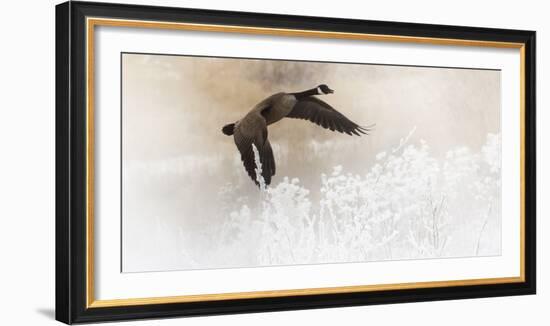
{"x": 408, "y": 205}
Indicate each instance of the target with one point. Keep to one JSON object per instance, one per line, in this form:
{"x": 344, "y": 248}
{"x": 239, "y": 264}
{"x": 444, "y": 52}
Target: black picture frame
{"x": 71, "y": 158}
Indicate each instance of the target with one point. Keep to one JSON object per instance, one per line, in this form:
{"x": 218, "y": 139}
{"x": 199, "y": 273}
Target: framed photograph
{"x": 212, "y": 162}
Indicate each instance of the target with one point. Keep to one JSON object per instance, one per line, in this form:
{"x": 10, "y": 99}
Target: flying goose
{"x": 252, "y": 129}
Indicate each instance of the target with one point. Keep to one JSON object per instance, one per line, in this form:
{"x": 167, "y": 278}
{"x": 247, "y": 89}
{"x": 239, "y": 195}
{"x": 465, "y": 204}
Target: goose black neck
{"x": 307, "y": 93}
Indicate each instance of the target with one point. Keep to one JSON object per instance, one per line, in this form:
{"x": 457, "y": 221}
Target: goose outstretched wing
{"x": 324, "y": 115}
{"x": 252, "y": 129}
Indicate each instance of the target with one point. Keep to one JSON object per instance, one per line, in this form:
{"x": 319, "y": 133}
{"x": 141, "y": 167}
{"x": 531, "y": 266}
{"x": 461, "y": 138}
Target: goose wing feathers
{"x": 324, "y": 115}
{"x": 252, "y": 129}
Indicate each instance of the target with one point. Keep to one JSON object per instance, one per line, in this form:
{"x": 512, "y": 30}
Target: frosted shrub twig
{"x": 259, "y": 178}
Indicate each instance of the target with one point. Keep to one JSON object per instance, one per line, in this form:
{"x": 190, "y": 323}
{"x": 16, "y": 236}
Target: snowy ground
{"x": 407, "y": 205}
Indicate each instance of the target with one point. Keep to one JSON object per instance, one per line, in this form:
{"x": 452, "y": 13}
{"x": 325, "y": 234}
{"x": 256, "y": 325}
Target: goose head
{"x": 323, "y": 89}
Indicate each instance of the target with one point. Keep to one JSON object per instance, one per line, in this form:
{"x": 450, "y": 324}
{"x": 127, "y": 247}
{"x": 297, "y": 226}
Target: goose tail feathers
{"x": 229, "y": 129}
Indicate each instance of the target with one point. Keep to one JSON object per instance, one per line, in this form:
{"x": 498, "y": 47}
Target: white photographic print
{"x": 237, "y": 162}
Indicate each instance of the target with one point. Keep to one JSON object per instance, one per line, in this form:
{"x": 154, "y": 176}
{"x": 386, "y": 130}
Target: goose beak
{"x": 330, "y": 91}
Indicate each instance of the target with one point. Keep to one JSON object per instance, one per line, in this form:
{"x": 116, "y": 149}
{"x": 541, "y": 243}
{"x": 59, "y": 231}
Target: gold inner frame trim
{"x": 92, "y": 22}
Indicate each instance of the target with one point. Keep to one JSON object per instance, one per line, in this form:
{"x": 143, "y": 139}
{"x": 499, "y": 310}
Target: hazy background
{"x": 179, "y": 170}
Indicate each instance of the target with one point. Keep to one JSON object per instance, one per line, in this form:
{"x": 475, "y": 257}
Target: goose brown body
{"x": 252, "y": 128}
